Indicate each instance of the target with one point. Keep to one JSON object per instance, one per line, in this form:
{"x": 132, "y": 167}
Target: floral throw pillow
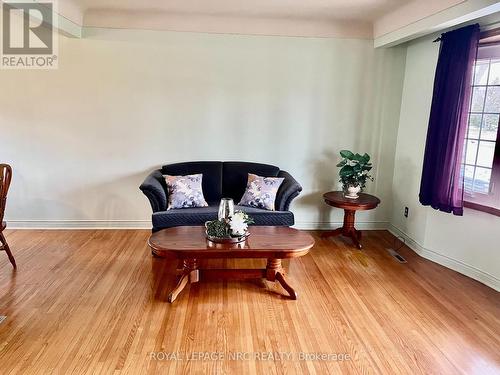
{"x": 185, "y": 191}
{"x": 261, "y": 192}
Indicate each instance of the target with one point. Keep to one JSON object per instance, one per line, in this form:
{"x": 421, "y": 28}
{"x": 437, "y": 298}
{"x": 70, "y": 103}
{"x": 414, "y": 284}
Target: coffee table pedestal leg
{"x": 274, "y": 272}
{"x": 188, "y": 273}
{"x": 347, "y": 229}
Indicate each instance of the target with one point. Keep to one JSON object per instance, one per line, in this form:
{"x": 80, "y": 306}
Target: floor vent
{"x": 2, "y": 318}
{"x": 396, "y": 256}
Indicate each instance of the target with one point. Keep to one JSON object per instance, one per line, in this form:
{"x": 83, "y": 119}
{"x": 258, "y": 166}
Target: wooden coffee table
{"x": 188, "y": 244}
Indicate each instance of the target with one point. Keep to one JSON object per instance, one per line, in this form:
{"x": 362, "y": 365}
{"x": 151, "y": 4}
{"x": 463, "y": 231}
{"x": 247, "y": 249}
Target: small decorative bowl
{"x": 227, "y": 239}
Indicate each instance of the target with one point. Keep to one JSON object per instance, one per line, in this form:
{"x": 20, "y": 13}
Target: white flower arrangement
{"x": 235, "y": 226}
{"x": 238, "y": 223}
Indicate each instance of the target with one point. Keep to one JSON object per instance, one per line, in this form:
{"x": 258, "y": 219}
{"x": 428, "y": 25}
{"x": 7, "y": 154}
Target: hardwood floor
{"x": 94, "y": 302}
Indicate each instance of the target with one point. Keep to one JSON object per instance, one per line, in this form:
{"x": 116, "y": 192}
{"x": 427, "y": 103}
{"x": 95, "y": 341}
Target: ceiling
{"x": 385, "y": 21}
{"x": 345, "y": 10}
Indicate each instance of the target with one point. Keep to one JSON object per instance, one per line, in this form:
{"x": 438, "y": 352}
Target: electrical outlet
{"x": 406, "y": 211}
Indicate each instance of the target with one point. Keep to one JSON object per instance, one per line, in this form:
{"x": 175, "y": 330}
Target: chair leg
{"x": 7, "y": 250}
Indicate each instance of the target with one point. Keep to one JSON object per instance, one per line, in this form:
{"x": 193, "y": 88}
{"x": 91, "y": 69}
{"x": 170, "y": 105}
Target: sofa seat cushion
{"x": 265, "y": 217}
{"x": 198, "y": 216}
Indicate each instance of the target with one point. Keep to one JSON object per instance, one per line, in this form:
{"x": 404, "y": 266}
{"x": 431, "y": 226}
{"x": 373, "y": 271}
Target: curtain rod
{"x": 492, "y": 29}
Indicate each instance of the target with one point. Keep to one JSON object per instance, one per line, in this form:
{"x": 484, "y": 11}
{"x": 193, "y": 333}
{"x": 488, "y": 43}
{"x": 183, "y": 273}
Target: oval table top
{"x": 363, "y": 202}
{"x": 263, "y": 242}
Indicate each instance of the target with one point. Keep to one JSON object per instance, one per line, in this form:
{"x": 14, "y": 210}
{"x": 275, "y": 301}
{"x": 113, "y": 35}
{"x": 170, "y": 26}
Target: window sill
{"x": 480, "y": 207}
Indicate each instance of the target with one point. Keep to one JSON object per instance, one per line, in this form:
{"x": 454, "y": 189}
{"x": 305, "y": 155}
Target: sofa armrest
{"x": 288, "y": 190}
{"x": 154, "y": 188}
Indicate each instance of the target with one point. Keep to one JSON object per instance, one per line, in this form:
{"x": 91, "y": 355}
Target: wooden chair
{"x": 5, "y": 178}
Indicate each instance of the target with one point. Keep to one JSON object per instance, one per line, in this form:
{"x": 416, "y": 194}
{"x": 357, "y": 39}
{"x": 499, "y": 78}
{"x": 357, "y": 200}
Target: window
{"x": 482, "y": 144}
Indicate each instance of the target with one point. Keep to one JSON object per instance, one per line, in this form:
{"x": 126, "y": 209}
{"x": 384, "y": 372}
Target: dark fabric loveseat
{"x": 220, "y": 179}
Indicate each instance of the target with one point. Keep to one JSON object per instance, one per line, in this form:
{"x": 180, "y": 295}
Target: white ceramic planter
{"x": 352, "y": 192}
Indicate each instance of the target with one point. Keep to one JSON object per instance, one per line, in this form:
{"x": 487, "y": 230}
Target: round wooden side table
{"x": 350, "y": 206}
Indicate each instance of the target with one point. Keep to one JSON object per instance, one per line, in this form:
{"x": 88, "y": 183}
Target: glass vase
{"x": 226, "y": 208}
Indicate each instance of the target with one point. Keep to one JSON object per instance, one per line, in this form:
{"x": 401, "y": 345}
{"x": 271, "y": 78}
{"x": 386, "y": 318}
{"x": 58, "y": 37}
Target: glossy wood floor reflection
{"x": 95, "y": 302}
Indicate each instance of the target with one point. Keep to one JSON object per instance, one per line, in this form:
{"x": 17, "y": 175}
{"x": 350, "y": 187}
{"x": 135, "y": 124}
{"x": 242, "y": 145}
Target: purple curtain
{"x": 441, "y": 186}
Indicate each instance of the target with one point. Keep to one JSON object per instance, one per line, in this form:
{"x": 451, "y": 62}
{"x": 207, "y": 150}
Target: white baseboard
{"x": 362, "y": 225}
{"x": 146, "y": 224}
{"x": 446, "y": 261}
{"x": 79, "y": 224}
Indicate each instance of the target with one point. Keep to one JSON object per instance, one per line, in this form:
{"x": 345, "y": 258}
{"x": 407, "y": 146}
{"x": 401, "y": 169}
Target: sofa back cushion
{"x": 235, "y": 176}
{"x": 212, "y": 176}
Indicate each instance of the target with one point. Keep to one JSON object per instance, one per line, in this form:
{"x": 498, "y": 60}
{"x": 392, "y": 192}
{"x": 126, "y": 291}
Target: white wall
{"x": 82, "y": 138}
{"x": 468, "y": 244}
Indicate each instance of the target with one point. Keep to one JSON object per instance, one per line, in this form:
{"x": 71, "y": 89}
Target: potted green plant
{"x": 353, "y": 172}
